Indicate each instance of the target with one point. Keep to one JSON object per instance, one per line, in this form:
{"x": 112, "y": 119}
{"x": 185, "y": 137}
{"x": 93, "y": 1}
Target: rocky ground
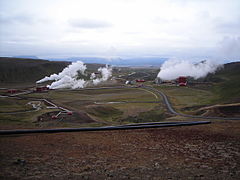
{"x": 198, "y": 152}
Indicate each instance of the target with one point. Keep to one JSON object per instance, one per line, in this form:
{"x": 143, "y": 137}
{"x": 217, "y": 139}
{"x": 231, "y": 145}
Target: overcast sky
{"x": 121, "y": 28}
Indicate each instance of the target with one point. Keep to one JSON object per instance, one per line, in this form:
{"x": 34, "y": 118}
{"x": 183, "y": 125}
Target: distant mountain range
{"x": 26, "y": 57}
{"x": 142, "y": 61}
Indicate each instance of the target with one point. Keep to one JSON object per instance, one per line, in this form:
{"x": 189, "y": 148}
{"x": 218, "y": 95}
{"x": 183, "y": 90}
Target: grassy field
{"x": 77, "y": 97}
{"x": 156, "y": 114}
{"x": 12, "y": 105}
{"x": 128, "y": 112}
{"x": 21, "y": 120}
{"x": 109, "y": 107}
{"x": 114, "y": 106}
{"x": 187, "y": 99}
{"x": 113, "y": 113}
{"x": 104, "y": 106}
{"x": 205, "y": 101}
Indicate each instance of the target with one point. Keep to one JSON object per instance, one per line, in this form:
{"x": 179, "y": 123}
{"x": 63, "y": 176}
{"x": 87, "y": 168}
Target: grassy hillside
{"x": 227, "y": 82}
{"x": 18, "y": 70}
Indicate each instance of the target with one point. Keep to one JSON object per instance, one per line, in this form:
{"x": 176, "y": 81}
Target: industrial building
{"x": 41, "y": 89}
{"x": 180, "y": 81}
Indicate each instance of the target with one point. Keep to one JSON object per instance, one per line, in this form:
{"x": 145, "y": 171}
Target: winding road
{"x": 171, "y": 109}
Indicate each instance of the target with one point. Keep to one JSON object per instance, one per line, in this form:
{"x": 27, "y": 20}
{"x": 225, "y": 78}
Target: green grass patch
{"x": 74, "y": 97}
{"x": 155, "y": 115}
{"x": 133, "y": 109}
{"x": 21, "y": 119}
{"x": 186, "y": 99}
{"x": 106, "y": 113}
{"x": 11, "y": 105}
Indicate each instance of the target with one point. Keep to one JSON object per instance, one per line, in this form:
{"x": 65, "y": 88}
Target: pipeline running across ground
{"x": 105, "y": 128}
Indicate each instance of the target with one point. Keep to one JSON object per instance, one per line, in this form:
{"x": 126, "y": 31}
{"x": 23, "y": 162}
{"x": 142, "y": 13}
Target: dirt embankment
{"x": 201, "y": 152}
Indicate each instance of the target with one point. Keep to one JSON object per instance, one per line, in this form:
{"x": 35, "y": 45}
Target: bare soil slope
{"x": 199, "y": 152}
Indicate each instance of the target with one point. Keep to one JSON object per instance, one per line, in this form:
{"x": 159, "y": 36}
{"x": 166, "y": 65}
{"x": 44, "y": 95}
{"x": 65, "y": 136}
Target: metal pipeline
{"x": 105, "y": 128}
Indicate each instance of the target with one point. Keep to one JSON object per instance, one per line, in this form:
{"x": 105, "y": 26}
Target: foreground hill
{"x": 20, "y": 70}
{"x": 197, "y": 152}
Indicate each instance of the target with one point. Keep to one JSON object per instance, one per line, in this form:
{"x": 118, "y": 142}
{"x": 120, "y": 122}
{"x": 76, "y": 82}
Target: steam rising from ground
{"x": 68, "y": 78}
{"x": 172, "y": 69}
{"x": 106, "y": 74}
{"x": 71, "y": 70}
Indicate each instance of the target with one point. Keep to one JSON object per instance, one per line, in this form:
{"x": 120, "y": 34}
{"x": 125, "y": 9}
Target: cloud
{"x": 230, "y": 48}
{"x": 20, "y": 18}
{"x": 171, "y": 28}
{"x": 160, "y": 20}
{"x": 89, "y": 23}
{"x": 228, "y": 27}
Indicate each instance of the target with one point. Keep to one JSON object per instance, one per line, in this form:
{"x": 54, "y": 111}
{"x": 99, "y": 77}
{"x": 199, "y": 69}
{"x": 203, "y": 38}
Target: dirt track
{"x": 201, "y": 152}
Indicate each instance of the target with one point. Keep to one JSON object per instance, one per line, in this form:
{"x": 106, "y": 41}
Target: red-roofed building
{"x": 182, "y": 81}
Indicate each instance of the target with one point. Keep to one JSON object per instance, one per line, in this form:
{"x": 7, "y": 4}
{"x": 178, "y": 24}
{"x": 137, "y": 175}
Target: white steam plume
{"x": 93, "y": 76}
{"x": 68, "y": 82}
{"x": 106, "y": 73}
{"x": 172, "y": 69}
{"x": 71, "y": 71}
{"x": 68, "y": 78}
